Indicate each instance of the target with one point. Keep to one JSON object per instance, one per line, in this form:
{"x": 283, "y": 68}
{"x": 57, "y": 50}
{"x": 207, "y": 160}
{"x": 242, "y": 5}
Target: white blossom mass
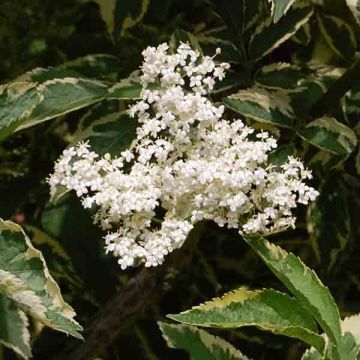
{"x": 187, "y": 163}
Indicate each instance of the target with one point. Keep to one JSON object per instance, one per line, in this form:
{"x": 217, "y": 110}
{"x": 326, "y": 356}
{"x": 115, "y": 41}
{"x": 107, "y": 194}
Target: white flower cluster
{"x": 187, "y": 163}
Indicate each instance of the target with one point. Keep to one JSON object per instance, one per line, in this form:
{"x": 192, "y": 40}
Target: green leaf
{"x": 279, "y": 8}
{"x": 352, "y": 100}
{"x": 351, "y": 324}
{"x": 280, "y": 76}
{"x": 111, "y": 134}
{"x": 241, "y": 18}
{"x": 331, "y": 233}
{"x": 229, "y": 52}
{"x": 267, "y": 310}
{"x": 107, "y": 8}
{"x": 14, "y": 328}
{"x": 125, "y": 89}
{"x": 90, "y": 66}
{"x": 354, "y": 6}
{"x": 180, "y": 36}
{"x": 348, "y": 349}
{"x": 280, "y": 155}
{"x": 57, "y": 259}
{"x": 127, "y": 14}
{"x": 40, "y": 75}
{"x": 328, "y": 134}
{"x": 338, "y": 35}
{"x": 17, "y": 102}
{"x": 268, "y": 36}
{"x": 25, "y": 279}
{"x": 263, "y": 106}
{"x": 312, "y": 354}
{"x": 94, "y": 66}
{"x": 199, "y": 343}
{"x": 302, "y": 282}
{"x": 61, "y": 96}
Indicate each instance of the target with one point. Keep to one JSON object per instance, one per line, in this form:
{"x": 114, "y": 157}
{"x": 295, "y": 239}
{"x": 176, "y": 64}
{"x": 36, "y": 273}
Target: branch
{"x": 132, "y": 300}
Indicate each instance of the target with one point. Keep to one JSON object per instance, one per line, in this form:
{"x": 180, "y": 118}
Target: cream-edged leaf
{"x": 17, "y": 102}
{"x": 268, "y": 36}
{"x": 14, "y": 328}
{"x": 352, "y": 325}
{"x": 61, "y": 96}
{"x": 302, "y": 282}
{"x": 338, "y": 35}
{"x": 279, "y": 8}
{"x": 328, "y": 134}
{"x": 281, "y": 76}
{"x": 354, "y": 6}
{"x": 262, "y": 105}
{"x": 25, "y": 279}
{"x": 266, "y": 309}
{"x": 200, "y": 344}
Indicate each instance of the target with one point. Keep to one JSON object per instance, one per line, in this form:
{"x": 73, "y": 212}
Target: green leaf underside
{"x": 61, "y": 96}
{"x": 14, "y": 332}
{"x": 269, "y": 36}
{"x": 262, "y": 106}
{"x": 25, "y": 279}
{"x": 303, "y": 283}
{"x": 328, "y": 134}
{"x": 200, "y": 344}
{"x": 266, "y": 309}
{"x": 17, "y": 101}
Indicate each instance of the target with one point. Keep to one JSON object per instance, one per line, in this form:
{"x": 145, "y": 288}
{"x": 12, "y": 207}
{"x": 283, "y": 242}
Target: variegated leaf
{"x": 229, "y": 52}
{"x": 200, "y": 344}
{"x": 25, "y": 279}
{"x": 303, "y": 283}
{"x": 90, "y": 66}
{"x": 17, "y": 101}
{"x": 281, "y": 76}
{"x": 349, "y": 348}
{"x": 267, "y": 309}
{"x": 328, "y": 134}
{"x": 14, "y": 328}
{"x": 268, "y": 36}
{"x": 312, "y": 354}
{"x": 127, "y": 14}
{"x": 338, "y": 35}
{"x": 261, "y": 105}
{"x": 354, "y": 6}
{"x": 125, "y": 89}
{"x": 352, "y": 325}
{"x": 279, "y": 8}
{"x": 111, "y": 134}
{"x": 61, "y": 96}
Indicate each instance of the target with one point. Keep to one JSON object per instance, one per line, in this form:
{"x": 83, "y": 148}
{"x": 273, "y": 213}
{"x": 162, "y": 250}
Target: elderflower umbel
{"x": 187, "y": 161}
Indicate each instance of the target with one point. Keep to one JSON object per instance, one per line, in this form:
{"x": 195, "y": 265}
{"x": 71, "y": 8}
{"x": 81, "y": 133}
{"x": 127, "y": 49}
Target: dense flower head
{"x": 187, "y": 162}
